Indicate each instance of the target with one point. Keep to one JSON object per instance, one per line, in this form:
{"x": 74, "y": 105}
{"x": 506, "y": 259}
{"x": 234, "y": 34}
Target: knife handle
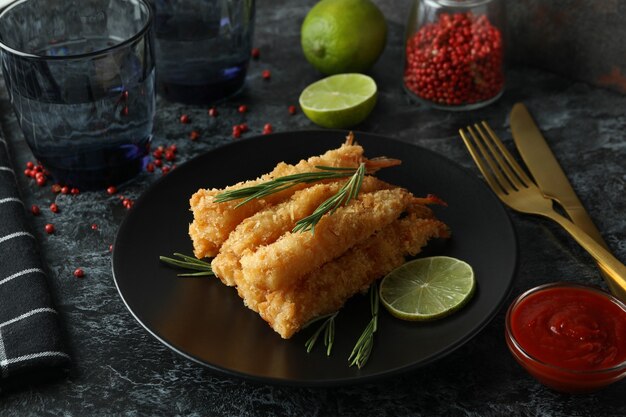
{"x": 614, "y": 270}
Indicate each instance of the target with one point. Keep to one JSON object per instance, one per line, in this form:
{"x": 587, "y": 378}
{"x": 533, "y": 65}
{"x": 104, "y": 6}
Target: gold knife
{"x": 547, "y": 172}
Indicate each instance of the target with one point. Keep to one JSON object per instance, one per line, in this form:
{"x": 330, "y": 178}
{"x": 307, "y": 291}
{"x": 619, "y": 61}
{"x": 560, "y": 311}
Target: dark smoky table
{"x": 120, "y": 369}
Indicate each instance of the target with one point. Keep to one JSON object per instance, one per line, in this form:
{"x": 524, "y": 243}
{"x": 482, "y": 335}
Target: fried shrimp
{"x": 291, "y": 277}
{"x": 325, "y": 289}
{"x": 214, "y": 221}
{"x": 267, "y": 225}
{"x": 284, "y": 262}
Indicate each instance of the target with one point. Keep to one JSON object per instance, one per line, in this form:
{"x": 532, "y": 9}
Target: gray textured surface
{"x": 577, "y": 38}
{"x": 120, "y": 370}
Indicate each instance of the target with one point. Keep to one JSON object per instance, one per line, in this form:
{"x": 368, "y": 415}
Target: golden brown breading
{"x": 327, "y": 288}
{"x": 213, "y": 222}
{"x": 290, "y": 258}
{"x": 269, "y": 224}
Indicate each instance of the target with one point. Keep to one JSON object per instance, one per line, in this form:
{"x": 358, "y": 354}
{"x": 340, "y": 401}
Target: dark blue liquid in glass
{"x": 86, "y": 103}
{"x": 203, "y": 48}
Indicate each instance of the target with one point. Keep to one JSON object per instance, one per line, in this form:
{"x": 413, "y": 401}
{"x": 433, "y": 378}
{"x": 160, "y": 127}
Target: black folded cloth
{"x": 30, "y": 336}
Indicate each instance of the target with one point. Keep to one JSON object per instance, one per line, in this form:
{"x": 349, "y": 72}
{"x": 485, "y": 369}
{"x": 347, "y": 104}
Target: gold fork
{"x": 515, "y": 189}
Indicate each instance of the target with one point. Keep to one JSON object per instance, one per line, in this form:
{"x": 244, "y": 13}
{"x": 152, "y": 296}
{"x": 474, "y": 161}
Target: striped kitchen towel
{"x": 30, "y": 338}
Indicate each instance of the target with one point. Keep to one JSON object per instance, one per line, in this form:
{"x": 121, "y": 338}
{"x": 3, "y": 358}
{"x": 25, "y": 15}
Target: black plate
{"x": 207, "y": 322}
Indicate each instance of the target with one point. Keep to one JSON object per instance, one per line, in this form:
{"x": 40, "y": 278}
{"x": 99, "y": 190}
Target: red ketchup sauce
{"x": 571, "y": 337}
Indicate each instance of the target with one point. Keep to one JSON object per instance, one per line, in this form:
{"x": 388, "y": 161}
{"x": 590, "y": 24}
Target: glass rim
{"x": 139, "y": 33}
{"x": 561, "y": 284}
{"x": 466, "y": 4}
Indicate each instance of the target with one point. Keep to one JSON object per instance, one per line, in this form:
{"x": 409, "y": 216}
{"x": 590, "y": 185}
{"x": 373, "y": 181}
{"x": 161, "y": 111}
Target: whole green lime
{"x": 340, "y": 36}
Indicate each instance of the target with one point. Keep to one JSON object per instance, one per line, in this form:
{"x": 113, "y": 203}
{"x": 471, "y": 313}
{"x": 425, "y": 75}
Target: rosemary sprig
{"x": 328, "y": 327}
{"x": 363, "y": 347}
{"x": 283, "y": 183}
{"x": 189, "y": 262}
{"x": 346, "y": 193}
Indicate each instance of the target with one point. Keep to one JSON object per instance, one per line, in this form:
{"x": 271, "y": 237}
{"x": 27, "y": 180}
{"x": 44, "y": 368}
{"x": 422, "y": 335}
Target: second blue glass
{"x": 203, "y": 48}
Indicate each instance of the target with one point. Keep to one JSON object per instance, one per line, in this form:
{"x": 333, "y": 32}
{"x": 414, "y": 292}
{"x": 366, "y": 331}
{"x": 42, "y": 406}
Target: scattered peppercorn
{"x": 94, "y": 226}
{"x": 242, "y": 109}
{"x": 170, "y": 155}
{"x": 65, "y": 189}
{"x": 54, "y": 208}
{"x": 213, "y": 112}
{"x": 150, "y": 167}
{"x": 124, "y": 111}
{"x": 256, "y": 53}
{"x": 184, "y": 119}
{"x": 35, "y": 209}
{"x": 49, "y": 228}
{"x": 267, "y": 129}
{"x": 236, "y": 131}
{"x": 56, "y": 188}
{"x": 266, "y": 74}
{"x": 243, "y": 127}
{"x": 111, "y": 190}
{"x": 79, "y": 273}
{"x": 194, "y": 135}
{"x": 292, "y": 110}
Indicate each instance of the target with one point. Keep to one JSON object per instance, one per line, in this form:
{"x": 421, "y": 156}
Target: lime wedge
{"x": 339, "y": 101}
{"x": 427, "y": 288}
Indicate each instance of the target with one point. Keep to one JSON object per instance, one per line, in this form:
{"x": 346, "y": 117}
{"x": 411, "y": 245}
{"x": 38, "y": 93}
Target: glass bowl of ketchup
{"x": 570, "y": 337}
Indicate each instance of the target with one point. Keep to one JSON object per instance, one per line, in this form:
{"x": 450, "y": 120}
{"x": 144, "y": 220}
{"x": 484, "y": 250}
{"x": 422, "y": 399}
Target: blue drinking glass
{"x": 81, "y": 79}
{"x": 203, "y": 48}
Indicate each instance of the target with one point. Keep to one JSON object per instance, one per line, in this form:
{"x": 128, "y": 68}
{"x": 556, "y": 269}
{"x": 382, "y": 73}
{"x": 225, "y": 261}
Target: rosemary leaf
{"x": 328, "y": 327}
{"x": 329, "y": 335}
{"x": 189, "y": 263}
{"x": 282, "y": 183}
{"x": 197, "y": 274}
{"x": 363, "y": 347}
{"x": 347, "y": 192}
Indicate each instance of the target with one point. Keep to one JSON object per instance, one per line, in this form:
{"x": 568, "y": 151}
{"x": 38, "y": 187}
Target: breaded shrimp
{"x": 283, "y": 263}
{"x": 213, "y": 221}
{"x": 326, "y": 289}
{"x": 267, "y": 225}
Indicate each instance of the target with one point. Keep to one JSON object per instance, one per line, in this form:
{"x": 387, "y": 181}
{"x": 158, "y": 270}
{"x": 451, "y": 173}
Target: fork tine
{"x": 517, "y": 169}
{"x": 495, "y": 166}
{"x": 497, "y": 150}
{"x": 483, "y": 166}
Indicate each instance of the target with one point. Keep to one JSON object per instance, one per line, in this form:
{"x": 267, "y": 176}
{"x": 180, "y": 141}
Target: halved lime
{"x": 427, "y": 288}
{"x": 339, "y": 101}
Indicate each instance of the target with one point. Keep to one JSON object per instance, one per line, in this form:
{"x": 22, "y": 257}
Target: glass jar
{"x": 454, "y": 53}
